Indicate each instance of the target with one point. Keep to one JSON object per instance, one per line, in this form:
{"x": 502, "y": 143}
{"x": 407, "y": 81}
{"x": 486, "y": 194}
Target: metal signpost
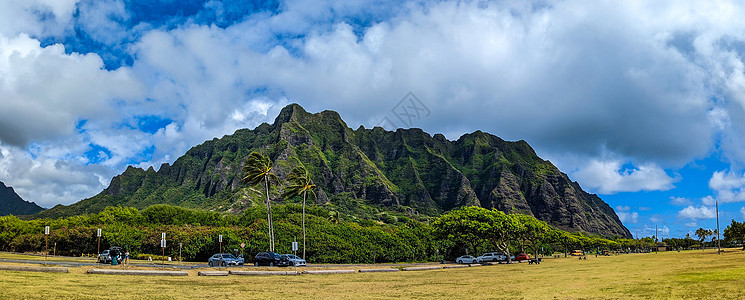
{"x": 243, "y": 245}
{"x": 294, "y": 248}
{"x": 163, "y": 245}
{"x": 46, "y": 243}
{"x": 98, "y": 233}
{"x": 220, "y": 238}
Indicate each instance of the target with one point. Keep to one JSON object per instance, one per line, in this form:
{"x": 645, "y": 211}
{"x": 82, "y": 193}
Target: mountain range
{"x": 364, "y": 173}
{"x": 12, "y": 204}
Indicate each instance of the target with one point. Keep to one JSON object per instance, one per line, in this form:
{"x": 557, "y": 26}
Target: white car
{"x": 491, "y": 256}
{"x": 466, "y": 259}
{"x": 295, "y": 260}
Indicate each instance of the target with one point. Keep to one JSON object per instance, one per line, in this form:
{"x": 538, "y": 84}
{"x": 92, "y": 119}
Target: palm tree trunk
{"x": 269, "y": 214}
{"x": 305, "y": 194}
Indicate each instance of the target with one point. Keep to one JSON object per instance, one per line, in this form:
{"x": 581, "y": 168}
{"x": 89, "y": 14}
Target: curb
{"x": 421, "y": 268}
{"x": 213, "y": 273}
{"x": 34, "y": 269}
{"x": 263, "y": 273}
{"x": 138, "y": 272}
{"x": 316, "y": 272}
{"x": 378, "y": 270}
{"x": 455, "y": 266}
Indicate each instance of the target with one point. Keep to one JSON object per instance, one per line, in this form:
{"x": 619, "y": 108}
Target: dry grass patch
{"x": 671, "y": 275}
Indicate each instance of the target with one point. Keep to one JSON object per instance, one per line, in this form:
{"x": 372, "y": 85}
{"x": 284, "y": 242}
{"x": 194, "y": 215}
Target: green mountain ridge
{"x": 12, "y": 204}
{"x": 364, "y": 173}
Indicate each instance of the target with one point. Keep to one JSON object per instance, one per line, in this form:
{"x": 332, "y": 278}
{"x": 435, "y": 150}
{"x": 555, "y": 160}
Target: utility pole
{"x": 719, "y": 244}
{"x": 655, "y": 238}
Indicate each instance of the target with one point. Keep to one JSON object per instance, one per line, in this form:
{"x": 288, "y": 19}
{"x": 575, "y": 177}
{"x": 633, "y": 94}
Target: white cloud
{"x": 607, "y": 177}
{"x": 630, "y": 217}
{"x": 727, "y": 186}
{"x": 694, "y": 213}
{"x": 623, "y": 208}
{"x": 680, "y": 201}
{"x": 742, "y": 212}
{"x": 603, "y": 83}
{"x": 49, "y": 181}
{"x": 46, "y": 91}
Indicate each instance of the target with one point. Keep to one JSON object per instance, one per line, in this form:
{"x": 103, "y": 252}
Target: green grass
{"x": 669, "y": 275}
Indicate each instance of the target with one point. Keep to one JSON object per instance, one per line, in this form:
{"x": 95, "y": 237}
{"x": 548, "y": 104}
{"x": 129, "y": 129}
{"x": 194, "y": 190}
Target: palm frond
{"x": 298, "y": 182}
{"x": 257, "y": 167}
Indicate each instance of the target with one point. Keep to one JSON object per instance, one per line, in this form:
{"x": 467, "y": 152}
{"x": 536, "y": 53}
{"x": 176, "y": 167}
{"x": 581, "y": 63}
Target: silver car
{"x": 295, "y": 260}
{"x": 491, "y": 256}
{"x": 226, "y": 260}
{"x": 466, "y": 259}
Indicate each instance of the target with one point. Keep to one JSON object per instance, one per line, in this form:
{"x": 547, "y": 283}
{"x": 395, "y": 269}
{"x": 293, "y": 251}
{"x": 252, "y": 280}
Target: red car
{"x": 522, "y": 256}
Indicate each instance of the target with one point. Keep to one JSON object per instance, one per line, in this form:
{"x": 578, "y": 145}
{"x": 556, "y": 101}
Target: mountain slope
{"x": 365, "y": 172}
{"x": 12, "y": 204}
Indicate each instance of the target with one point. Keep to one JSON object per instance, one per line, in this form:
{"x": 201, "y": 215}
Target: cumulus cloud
{"x": 630, "y": 217}
{"x": 616, "y": 92}
{"x": 701, "y": 212}
{"x": 45, "y": 91}
{"x": 49, "y": 181}
{"x": 680, "y": 201}
{"x": 607, "y": 177}
{"x": 742, "y": 212}
{"x": 727, "y": 186}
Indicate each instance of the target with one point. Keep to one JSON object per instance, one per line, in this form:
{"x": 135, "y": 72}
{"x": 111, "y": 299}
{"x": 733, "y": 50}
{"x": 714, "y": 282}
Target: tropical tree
{"x": 463, "y": 226}
{"x": 702, "y": 234}
{"x": 735, "y": 232}
{"x": 531, "y": 230}
{"x": 504, "y": 229}
{"x": 257, "y": 170}
{"x": 299, "y": 183}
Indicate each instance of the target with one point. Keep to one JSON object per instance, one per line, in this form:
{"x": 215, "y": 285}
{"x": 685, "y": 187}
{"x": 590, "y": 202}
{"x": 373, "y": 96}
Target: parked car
{"x": 466, "y": 259}
{"x": 577, "y": 253}
{"x": 227, "y": 260}
{"x": 294, "y": 260}
{"x": 270, "y": 259}
{"x": 491, "y": 256}
{"x": 108, "y": 255}
{"x": 522, "y": 256}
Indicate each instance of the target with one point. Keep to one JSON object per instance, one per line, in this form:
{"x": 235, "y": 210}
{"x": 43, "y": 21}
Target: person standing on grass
{"x": 126, "y": 258}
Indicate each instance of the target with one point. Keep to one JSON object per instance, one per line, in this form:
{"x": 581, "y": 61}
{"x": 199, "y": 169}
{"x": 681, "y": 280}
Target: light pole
{"x": 719, "y": 244}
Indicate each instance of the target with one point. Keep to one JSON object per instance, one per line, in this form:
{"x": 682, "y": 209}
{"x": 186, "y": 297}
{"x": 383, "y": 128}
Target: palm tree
{"x": 258, "y": 169}
{"x": 300, "y": 183}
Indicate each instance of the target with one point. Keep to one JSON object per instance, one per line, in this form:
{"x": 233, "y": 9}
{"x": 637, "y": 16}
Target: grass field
{"x": 668, "y": 275}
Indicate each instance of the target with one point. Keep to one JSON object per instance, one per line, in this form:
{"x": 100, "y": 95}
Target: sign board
{"x": 243, "y": 245}
{"x": 294, "y": 246}
{"x": 46, "y": 230}
{"x": 162, "y": 243}
{"x": 163, "y": 236}
{"x": 221, "y": 238}
{"x": 98, "y": 234}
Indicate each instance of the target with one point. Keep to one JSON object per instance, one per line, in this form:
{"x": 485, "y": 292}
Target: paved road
{"x": 55, "y": 260}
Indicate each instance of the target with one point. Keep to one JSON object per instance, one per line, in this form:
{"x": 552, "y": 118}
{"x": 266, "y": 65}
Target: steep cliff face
{"x": 12, "y": 204}
{"x": 406, "y": 170}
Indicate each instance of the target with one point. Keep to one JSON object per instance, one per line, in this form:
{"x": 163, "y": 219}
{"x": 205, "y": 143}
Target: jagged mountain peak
{"x": 12, "y": 204}
{"x": 363, "y": 171}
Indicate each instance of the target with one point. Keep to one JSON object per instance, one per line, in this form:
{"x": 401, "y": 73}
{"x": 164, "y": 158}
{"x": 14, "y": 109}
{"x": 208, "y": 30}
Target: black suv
{"x": 270, "y": 259}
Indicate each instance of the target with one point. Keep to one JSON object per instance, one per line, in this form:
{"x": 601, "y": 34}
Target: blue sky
{"x": 642, "y": 103}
